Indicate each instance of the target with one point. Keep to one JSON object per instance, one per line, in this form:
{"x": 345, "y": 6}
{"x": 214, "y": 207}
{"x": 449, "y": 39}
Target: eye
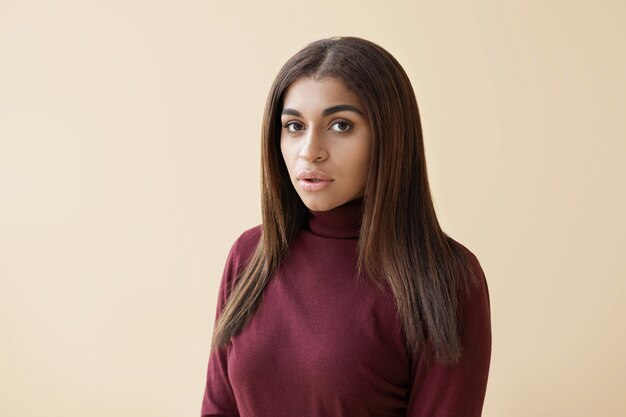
{"x": 293, "y": 126}
{"x": 342, "y": 126}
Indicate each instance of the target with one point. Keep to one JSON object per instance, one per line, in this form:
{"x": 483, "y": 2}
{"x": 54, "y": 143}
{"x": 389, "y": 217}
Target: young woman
{"x": 349, "y": 299}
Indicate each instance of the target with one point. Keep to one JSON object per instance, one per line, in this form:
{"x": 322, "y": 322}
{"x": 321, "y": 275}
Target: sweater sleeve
{"x": 219, "y": 398}
{"x": 457, "y": 390}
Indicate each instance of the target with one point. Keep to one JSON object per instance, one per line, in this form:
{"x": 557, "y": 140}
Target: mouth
{"x": 314, "y": 184}
{"x": 311, "y": 176}
{"x": 315, "y": 180}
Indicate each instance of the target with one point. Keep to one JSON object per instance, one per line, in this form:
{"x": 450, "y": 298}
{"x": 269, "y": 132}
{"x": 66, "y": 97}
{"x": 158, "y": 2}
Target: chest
{"x": 321, "y": 340}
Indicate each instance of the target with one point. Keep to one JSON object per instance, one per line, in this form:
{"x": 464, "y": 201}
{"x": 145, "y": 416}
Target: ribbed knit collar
{"x": 341, "y": 222}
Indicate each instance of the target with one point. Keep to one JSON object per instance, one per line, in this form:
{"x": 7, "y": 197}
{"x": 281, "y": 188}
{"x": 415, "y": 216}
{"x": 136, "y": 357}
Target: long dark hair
{"x": 401, "y": 243}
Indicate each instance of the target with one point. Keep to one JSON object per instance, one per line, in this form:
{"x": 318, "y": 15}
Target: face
{"x": 326, "y": 134}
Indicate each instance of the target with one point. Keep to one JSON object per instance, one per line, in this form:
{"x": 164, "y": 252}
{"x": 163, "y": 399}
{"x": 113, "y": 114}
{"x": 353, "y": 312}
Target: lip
{"x": 313, "y": 186}
{"x": 313, "y": 173}
{"x": 305, "y": 175}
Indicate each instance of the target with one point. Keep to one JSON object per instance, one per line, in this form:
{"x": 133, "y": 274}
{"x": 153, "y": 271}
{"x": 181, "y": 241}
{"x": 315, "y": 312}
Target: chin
{"x": 316, "y": 205}
{"x": 321, "y": 203}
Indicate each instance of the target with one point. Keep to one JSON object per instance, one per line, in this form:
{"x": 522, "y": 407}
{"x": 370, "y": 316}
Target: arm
{"x": 219, "y": 398}
{"x": 457, "y": 390}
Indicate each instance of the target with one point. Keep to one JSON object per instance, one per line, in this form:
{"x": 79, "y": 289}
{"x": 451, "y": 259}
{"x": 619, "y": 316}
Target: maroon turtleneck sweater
{"x": 322, "y": 344}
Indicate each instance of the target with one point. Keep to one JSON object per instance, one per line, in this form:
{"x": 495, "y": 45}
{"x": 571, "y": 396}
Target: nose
{"x": 313, "y": 148}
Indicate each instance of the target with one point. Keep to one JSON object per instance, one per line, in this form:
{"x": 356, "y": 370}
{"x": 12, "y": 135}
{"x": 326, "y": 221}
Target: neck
{"x": 341, "y": 222}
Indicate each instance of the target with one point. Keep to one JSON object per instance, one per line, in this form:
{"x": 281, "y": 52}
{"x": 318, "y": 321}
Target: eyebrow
{"x": 328, "y": 111}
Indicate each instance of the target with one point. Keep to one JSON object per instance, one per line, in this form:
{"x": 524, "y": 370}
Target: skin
{"x": 338, "y": 144}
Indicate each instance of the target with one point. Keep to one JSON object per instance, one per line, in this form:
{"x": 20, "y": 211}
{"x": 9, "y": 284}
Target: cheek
{"x": 357, "y": 169}
{"x": 362, "y": 160}
{"x": 283, "y": 151}
{"x": 362, "y": 172}
{"x": 287, "y": 156}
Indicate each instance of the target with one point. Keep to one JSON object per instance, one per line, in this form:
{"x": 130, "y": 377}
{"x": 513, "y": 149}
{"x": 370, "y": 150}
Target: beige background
{"x": 129, "y": 162}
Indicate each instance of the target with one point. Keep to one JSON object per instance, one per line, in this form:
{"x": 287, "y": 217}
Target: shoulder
{"x": 238, "y": 255}
{"x": 244, "y": 245}
{"x": 476, "y": 280}
{"x": 475, "y": 311}
{"x": 470, "y": 259}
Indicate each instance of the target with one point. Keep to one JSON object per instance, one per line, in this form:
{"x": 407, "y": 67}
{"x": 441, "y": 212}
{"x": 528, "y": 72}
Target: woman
{"x": 349, "y": 299}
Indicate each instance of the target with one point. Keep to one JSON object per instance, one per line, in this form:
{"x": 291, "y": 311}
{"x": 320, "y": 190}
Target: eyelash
{"x": 350, "y": 126}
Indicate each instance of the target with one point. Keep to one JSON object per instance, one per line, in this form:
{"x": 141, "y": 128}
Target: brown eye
{"x": 293, "y": 126}
{"x": 342, "y": 126}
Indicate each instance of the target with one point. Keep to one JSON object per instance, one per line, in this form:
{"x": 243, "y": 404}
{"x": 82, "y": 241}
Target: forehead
{"x": 309, "y": 93}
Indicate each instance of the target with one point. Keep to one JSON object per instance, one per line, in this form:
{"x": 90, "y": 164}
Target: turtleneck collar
{"x": 341, "y": 222}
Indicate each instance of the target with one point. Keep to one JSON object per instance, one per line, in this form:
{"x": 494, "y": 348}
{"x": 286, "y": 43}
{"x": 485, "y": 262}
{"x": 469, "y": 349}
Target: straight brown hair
{"x": 401, "y": 243}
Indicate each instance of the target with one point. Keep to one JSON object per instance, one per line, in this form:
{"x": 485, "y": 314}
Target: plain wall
{"x": 129, "y": 163}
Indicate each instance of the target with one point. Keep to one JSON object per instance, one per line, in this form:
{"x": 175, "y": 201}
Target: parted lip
{"x": 313, "y": 173}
